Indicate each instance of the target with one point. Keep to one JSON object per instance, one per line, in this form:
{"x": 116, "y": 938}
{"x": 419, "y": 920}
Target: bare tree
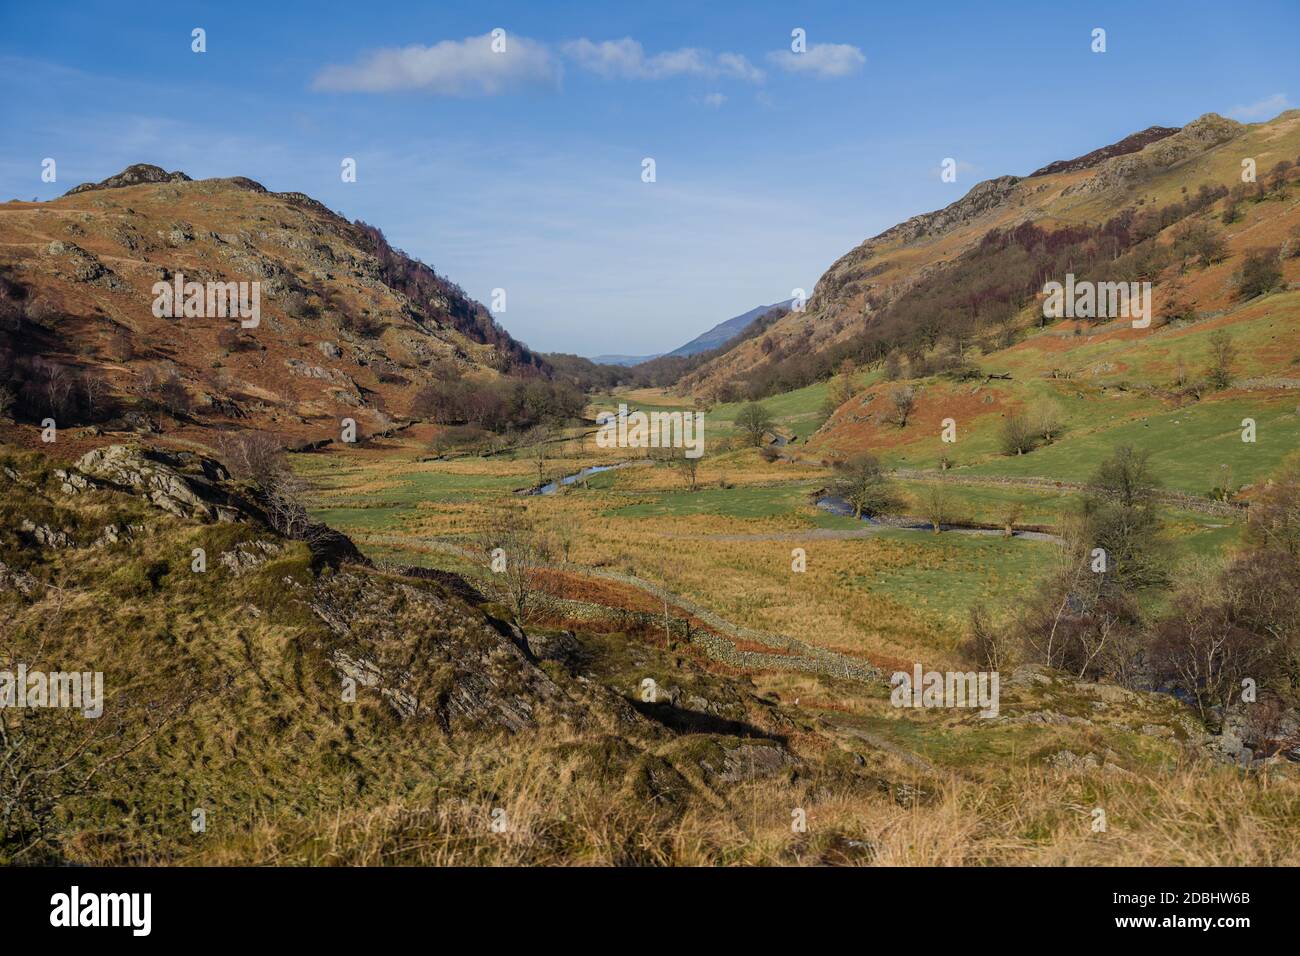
{"x": 862, "y": 484}
{"x": 690, "y": 469}
{"x": 1047, "y": 420}
{"x": 146, "y": 385}
{"x": 58, "y": 386}
{"x": 1275, "y": 511}
{"x": 538, "y": 439}
{"x": 253, "y": 456}
{"x": 517, "y": 553}
{"x": 903, "y": 399}
{"x": 282, "y": 498}
{"x": 937, "y": 505}
{"x": 1018, "y": 435}
{"x": 843, "y": 386}
{"x": 173, "y": 393}
{"x": 95, "y": 388}
{"x": 893, "y": 365}
{"x": 1181, "y": 374}
{"x": 1222, "y": 356}
{"x": 989, "y": 646}
{"x": 1008, "y": 515}
{"x": 754, "y": 421}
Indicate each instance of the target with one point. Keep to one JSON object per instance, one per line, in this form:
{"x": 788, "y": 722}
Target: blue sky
{"x": 522, "y": 170}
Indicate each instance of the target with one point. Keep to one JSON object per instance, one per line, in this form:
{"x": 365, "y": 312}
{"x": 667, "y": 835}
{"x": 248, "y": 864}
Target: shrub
{"x": 862, "y": 484}
{"x": 903, "y": 400}
{"x": 252, "y": 456}
{"x": 1222, "y": 355}
{"x": 1259, "y": 274}
{"x": 1018, "y": 435}
{"x": 754, "y": 421}
{"x": 987, "y": 646}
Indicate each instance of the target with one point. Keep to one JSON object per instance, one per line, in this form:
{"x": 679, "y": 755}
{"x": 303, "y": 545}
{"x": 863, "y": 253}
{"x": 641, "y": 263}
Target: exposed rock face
{"x": 134, "y": 175}
{"x": 1129, "y": 144}
{"x": 981, "y": 198}
{"x": 434, "y": 660}
{"x": 82, "y": 266}
{"x": 750, "y": 760}
{"x": 854, "y": 267}
{"x": 1209, "y": 131}
{"x": 182, "y": 484}
{"x": 12, "y": 579}
{"x": 44, "y": 535}
{"x": 562, "y": 648}
{"x": 248, "y": 555}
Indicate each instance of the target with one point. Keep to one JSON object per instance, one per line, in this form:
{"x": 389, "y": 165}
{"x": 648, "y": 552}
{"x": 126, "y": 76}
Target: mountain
{"x": 893, "y": 290}
{"x": 349, "y": 327}
{"x": 724, "y": 332}
{"x": 625, "y": 360}
{"x": 720, "y": 334}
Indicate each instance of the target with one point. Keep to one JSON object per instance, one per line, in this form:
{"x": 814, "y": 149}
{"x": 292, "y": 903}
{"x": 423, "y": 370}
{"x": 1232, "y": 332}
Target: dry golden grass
{"x": 1192, "y": 815}
{"x": 719, "y": 561}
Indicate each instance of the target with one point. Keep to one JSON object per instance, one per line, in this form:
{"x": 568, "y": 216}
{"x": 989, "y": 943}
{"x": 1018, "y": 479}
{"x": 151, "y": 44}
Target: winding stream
{"x": 551, "y": 487}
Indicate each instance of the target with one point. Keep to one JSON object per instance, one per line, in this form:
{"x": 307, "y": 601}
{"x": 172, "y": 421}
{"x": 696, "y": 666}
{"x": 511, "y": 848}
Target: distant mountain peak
{"x": 724, "y": 332}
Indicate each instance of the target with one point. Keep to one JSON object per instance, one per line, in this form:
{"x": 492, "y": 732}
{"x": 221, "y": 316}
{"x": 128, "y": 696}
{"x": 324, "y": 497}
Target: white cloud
{"x": 821, "y": 59}
{"x": 450, "y": 68}
{"x": 626, "y": 59}
{"x": 713, "y": 100}
{"x": 735, "y": 65}
{"x": 1266, "y": 108}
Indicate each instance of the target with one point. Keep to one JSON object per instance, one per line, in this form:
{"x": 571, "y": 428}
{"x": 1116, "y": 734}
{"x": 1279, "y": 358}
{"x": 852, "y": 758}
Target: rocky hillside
{"x": 1129, "y": 144}
{"x": 255, "y": 676}
{"x": 349, "y": 327}
{"x": 279, "y": 700}
{"x": 1157, "y": 167}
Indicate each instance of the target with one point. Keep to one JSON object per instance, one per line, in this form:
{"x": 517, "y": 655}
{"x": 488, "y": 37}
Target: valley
{"x": 367, "y": 644}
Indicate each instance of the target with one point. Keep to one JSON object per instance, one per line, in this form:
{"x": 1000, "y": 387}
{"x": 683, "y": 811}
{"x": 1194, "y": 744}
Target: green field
{"x": 762, "y": 502}
{"x": 800, "y": 411}
{"x": 953, "y": 572}
{"x": 1188, "y": 446}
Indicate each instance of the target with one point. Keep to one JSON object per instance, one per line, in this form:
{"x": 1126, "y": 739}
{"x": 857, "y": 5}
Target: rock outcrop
{"x": 134, "y": 175}
{"x": 1209, "y": 131}
{"x": 181, "y": 483}
{"x": 433, "y": 658}
{"x": 1129, "y": 144}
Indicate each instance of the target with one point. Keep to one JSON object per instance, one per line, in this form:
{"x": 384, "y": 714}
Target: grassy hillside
{"x": 853, "y": 305}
